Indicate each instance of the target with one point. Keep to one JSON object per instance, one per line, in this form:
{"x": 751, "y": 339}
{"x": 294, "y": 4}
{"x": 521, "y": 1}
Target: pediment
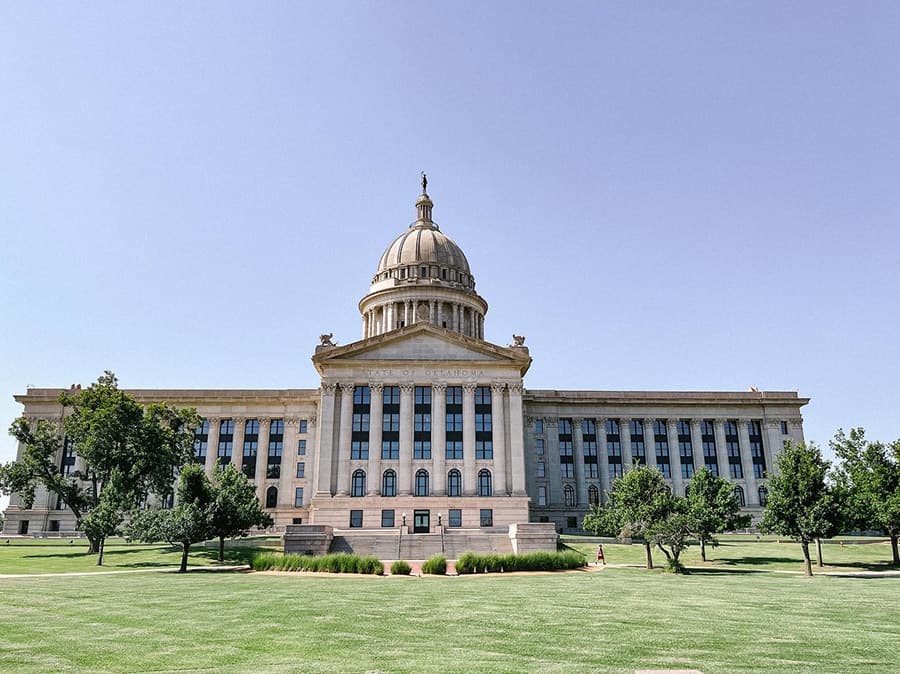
{"x": 423, "y": 343}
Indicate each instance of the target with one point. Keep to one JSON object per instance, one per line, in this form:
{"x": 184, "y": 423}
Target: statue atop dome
{"x": 424, "y": 183}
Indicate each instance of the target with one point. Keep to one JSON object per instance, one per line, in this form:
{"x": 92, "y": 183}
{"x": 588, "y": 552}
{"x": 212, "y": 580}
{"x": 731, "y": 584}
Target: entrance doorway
{"x": 421, "y": 521}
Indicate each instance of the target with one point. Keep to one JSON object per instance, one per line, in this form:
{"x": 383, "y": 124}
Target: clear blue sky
{"x": 665, "y": 196}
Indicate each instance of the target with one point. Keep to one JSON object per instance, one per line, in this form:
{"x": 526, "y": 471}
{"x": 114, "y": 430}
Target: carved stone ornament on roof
{"x": 518, "y": 340}
{"x": 325, "y": 340}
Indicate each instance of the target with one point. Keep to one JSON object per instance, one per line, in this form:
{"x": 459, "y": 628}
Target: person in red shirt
{"x": 600, "y": 557}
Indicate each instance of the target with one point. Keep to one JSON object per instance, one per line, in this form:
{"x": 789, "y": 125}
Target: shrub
{"x": 336, "y": 563}
{"x": 470, "y": 562}
{"x": 437, "y": 566}
{"x": 466, "y": 563}
{"x": 400, "y": 568}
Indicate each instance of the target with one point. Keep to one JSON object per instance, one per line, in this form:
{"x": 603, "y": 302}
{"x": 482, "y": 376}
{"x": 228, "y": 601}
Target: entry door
{"x": 421, "y": 522}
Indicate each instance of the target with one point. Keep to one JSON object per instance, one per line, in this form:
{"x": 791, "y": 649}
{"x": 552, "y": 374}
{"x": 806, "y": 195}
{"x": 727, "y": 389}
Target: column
{"x": 376, "y": 411}
{"x": 674, "y": 456}
{"x": 516, "y": 440}
{"x": 697, "y": 444}
{"x": 406, "y": 312}
{"x": 578, "y": 451}
{"x": 603, "y": 459}
{"x": 456, "y": 318}
{"x": 649, "y": 442}
{"x": 406, "y": 439}
{"x": 752, "y": 495}
{"x": 625, "y": 441}
{"x": 498, "y": 420}
{"x": 434, "y": 317}
{"x": 721, "y": 452}
{"x": 326, "y": 440}
{"x": 237, "y": 455}
{"x": 288, "y": 464}
{"x": 345, "y": 426}
{"x": 439, "y": 437}
{"x": 773, "y": 443}
{"x": 553, "y": 464}
{"x": 212, "y": 445}
{"x": 262, "y": 458}
{"x": 469, "y": 439}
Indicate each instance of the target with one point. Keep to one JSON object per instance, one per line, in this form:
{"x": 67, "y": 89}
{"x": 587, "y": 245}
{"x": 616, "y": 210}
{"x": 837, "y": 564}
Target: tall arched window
{"x": 454, "y": 483}
{"x": 739, "y": 492}
{"x": 358, "y": 483}
{"x": 389, "y": 483}
{"x": 569, "y": 495}
{"x": 593, "y": 495}
{"x": 763, "y": 496}
{"x": 484, "y": 483}
{"x": 272, "y": 497}
{"x": 422, "y": 482}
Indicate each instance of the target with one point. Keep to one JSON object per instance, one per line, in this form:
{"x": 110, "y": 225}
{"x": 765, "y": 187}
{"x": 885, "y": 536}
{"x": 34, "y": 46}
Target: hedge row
{"x": 337, "y": 563}
{"x": 436, "y": 565}
{"x": 469, "y": 562}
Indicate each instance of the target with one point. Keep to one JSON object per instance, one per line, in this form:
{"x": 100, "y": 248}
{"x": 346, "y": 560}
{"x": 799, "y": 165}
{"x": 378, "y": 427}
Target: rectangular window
{"x": 708, "y": 438}
{"x": 589, "y": 446}
{"x": 226, "y": 442}
{"x": 733, "y": 450}
{"x": 356, "y": 519}
{"x": 422, "y": 423}
{"x": 301, "y": 448}
{"x": 301, "y": 469}
{"x": 784, "y": 428}
{"x": 571, "y": 522}
{"x": 661, "y": 446}
{"x": 67, "y": 466}
{"x": 638, "y": 451}
{"x": 685, "y": 448}
{"x": 613, "y": 448}
{"x": 302, "y": 426}
{"x": 539, "y": 469}
{"x": 298, "y": 497}
{"x": 566, "y": 454}
{"x": 757, "y": 455}
{"x": 486, "y": 517}
{"x": 387, "y": 518}
{"x": 454, "y": 426}
{"x": 251, "y": 445}
{"x": 538, "y": 426}
{"x": 454, "y": 518}
{"x": 539, "y": 447}
{"x": 276, "y": 447}
{"x": 390, "y": 425}
{"x": 359, "y": 433}
{"x": 201, "y": 441}
{"x": 542, "y": 496}
{"x": 484, "y": 434}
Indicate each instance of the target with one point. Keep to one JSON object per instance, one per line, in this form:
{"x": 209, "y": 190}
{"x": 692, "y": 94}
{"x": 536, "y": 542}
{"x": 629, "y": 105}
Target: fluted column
{"x": 326, "y": 440}
{"x": 439, "y": 437}
{"x": 516, "y": 440}
{"x": 747, "y": 464}
{"x": 469, "y": 439}
{"x": 649, "y": 442}
{"x": 578, "y": 451}
{"x": 288, "y": 463}
{"x": 345, "y": 426}
{"x": 212, "y": 445}
{"x": 262, "y": 458}
{"x": 376, "y": 411}
{"x": 456, "y": 326}
{"x": 773, "y": 444}
{"x": 697, "y": 445}
{"x": 433, "y": 312}
{"x": 721, "y": 452}
{"x": 625, "y": 440}
{"x": 674, "y": 456}
{"x": 498, "y": 419}
{"x": 237, "y": 454}
{"x": 603, "y": 458}
{"x": 406, "y": 438}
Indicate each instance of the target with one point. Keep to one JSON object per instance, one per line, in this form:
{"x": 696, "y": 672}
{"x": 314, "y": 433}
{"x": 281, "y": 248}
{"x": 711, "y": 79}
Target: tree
{"x": 127, "y": 453}
{"x": 671, "y": 531}
{"x": 800, "y": 503}
{"x": 713, "y": 508}
{"x": 638, "y": 501}
{"x": 871, "y": 471}
{"x": 602, "y": 520}
{"x": 189, "y": 522}
{"x": 235, "y": 508}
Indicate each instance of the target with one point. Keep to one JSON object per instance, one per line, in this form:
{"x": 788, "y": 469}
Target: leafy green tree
{"x": 235, "y": 508}
{"x": 638, "y": 501}
{"x": 189, "y": 522}
{"x": 871, "y": 472}
{"x": 128, "y": 452}
{"x": 713, "y": 508}
{"x": 602, "y": 520}
{"x": 671, "y": 531}
{"x": 800, "y": 503}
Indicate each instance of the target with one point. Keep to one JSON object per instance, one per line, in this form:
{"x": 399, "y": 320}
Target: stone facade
{"x": 423, "y": 424}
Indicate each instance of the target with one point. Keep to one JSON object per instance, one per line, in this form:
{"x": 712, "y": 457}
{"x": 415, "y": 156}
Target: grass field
{"x": 724, "y": 618}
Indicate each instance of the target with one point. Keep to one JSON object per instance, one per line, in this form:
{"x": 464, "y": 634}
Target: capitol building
{"x": 422, "y": 425}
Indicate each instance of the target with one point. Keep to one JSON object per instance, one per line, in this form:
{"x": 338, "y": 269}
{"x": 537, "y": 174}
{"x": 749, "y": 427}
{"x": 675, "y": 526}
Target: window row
{"x": 389, "y": 518}
{"x": 422, "y": 484}
{"x": 593, "y": 494}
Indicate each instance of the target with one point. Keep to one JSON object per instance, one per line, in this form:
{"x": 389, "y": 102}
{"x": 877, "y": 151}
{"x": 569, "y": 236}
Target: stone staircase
{"x": 382, "y": 545}
{"x": 452, "y": 543}
{"x": 460, "y": 541}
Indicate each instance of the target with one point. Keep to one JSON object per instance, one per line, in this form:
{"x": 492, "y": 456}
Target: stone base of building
{"x": 533, "y": 537}
{"x": 308, "y": 539}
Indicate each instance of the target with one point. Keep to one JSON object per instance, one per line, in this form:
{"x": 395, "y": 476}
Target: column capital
{"x": 625, "y": 421}
{"x": 439, "y": 386}
{"x": 773, "y": 423}
{"x": 291, "y": 421}
{"x": 695, "y": 424}
{"x": 328, "y": 387}
{"x": 469, "y": 387}
{"x": 498, "y": 386}
{"x": 576, "y": 422}
{"x": 239, "y": 421}
{"x": 347, "y": 386}
{"x": 212, "y": 420}
{"x": 407, "y": 387}
{"x": 551, "y": 421}
{"x": 312, "y": 420}
{"x": 376, "y": 386}
{"x": 797, "y": 422}
{"x": 516, "y": 388}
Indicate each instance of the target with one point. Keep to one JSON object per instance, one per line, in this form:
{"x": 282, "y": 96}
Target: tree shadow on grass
{"x": 759, "y": 561}
{"x": 714, "y": 571}
{"x": 232, "y": 555}
{"x": 107, "y": 553}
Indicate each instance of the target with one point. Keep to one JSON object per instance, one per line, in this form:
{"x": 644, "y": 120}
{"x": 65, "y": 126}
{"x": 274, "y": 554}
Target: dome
{"x": 427, "y": 245}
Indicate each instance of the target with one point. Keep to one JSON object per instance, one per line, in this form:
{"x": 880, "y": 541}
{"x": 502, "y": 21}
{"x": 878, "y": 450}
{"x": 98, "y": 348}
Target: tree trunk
{"x": 221, "y": 549}
{"x": 649, "y": 555}
{"x": 100, "y": 545}
{"x": 807, "y": 563}
{"x": 703, "y": 549}
{"x": 819, "y": 561}
{"x": 93, "y": 546}
{"x": 185, "y": 549}
{"x": 896, "y": 557}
